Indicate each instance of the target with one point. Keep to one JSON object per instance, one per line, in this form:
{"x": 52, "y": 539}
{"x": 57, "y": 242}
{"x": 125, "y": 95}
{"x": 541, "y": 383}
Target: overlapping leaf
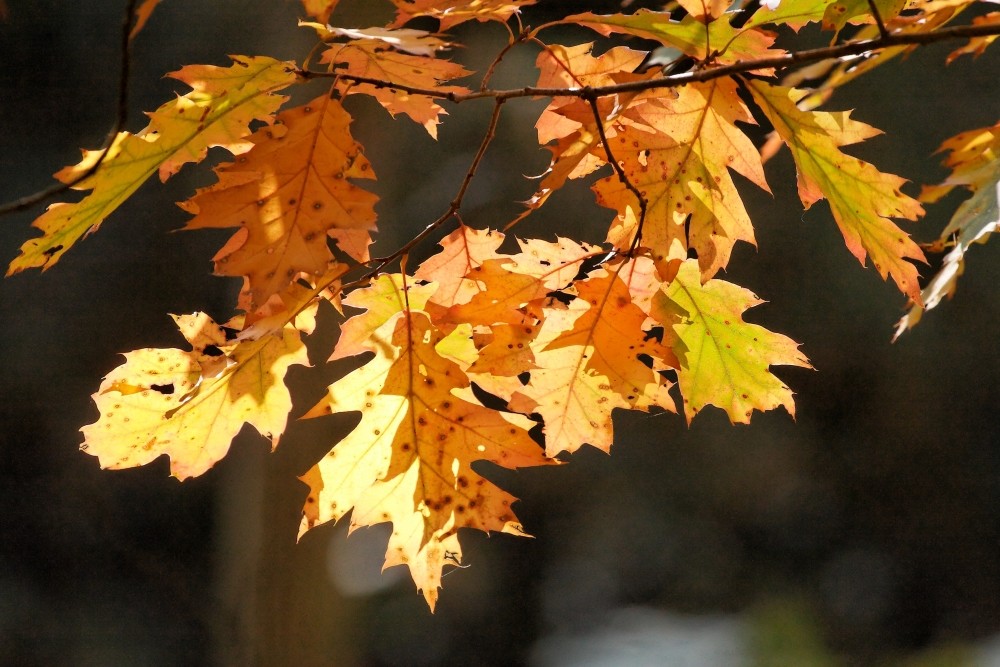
{"x": 217, "y": 112}
{"x": 409, "y": 460}
{"x": 593, "y": 356}
{"x": 716, "y": 40}
{"x": 862, "y": 198}
{"x": 975, "y": 162}
{"x": 375, "y": 58}
{"x": 286, "y": 195}
{"x": 454, "y": 12}
{"x": 189, "y": 405}
{"x": 724, "y": 361}
{"x": 569, "y": 120}
{"x": 678, "y": 150}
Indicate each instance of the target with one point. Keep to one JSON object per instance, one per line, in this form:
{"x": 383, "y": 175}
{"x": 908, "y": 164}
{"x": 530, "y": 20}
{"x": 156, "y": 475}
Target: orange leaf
{"x": 453, "y": 12}
{"x": 287, "y": 195}
{"x": 677, "y": 150}
{"x": 373, "y": 58}
{"x": 590, "y": 361}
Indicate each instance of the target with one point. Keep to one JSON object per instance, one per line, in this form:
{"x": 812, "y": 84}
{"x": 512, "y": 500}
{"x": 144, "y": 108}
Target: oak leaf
{"x": 375, "y": 59}
{"x": 716, "y": 40}
{"x": 975, "y": 162}
{"x": 862, "y": 198}
{"x": 287, "y": 195}
{"x": 224, "y": 100}
{"x": 724, "y": 361}
{"x": 189, "y": 405}
{"x": 590, "y": 358}
{"x": 454, "y": 12}
{"x": 409, "y": 460}
{"x": 678, "y": 150}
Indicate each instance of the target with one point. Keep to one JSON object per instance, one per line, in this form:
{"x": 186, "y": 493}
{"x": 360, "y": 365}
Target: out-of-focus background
{"x": 865, "y": 532}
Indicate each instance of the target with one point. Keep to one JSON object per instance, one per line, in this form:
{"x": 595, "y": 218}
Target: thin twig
{"x": 878, "y": 19}
{"x": 500, "y": 56}
{"x": 622, "y": 176}
{"x": 121, "y": 117}
{"x": 684, "y": 78}
{"x": 453, "y": 207}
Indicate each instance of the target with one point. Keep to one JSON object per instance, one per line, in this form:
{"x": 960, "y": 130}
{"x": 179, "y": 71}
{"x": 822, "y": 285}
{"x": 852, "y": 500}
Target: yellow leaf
{"x": 724, "y": 361}
{"x": 190, "y": 404}
{"x": 409, "y": 460}
{"x": 862, "y": 198}
{"x": 975, "y": 164}
{"x": 717, "y": 40}
{"x": 216, "y": 113}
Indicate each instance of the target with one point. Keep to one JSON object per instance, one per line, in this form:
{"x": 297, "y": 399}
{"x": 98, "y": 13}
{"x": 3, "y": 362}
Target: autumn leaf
{"x": 976, "y": 46}
{"x": 374, "y": 58}
{"x": 724, "y": 361}
{"x": 409, "y": 460}
{"x": 717, "y": 40}
{"x": 189, "y": 405}
{"x": 224, "y": 100}
{"x": 975, "y": 163}
{"x": 319, "y": 9}
{"x": 287, "y": 195}
{"x": 454, "y": 12}
{"x": 142, "y": 14}
{"x": 461, "y": 251}
{"x": 840, "y": 12}
{"x": 590, "y": 356}
{"x": 678, "y": 150}
{"x": 862, "y": 198}
{"x": 570, "y": 120}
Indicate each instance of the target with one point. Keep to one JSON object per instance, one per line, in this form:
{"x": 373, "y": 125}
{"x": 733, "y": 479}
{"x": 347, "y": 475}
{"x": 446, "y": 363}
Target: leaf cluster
{"x": 510, "y": 350}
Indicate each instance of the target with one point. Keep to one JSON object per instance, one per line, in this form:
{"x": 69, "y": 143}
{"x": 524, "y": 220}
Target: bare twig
{"x": 882, "y": 30}
{"x": 453, "y": 207}
{"x": 622, "y": 176}
{"x": 121, "y": 117}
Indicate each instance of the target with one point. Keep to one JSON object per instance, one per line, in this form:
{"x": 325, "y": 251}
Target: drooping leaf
{"x": 287, "y": 195}
{"x": 409, "y": 460}
{"x": 975, "y": 163}
{"x": 454, "y": 12}
{"x": 376, "y": 59}
{"x": 724, "y": 361}
{"x": 862, "y": 198}
{"x": 976, "y": 46}
{"x": 217, "y": 112}
{"x": 189, "y": 405}
{"x": 142, "y": 14}
{"x": 717, "y": 40}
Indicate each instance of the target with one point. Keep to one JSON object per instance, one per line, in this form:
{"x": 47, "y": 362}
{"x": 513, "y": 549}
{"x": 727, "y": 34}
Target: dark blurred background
{"x": 865, "y": 532}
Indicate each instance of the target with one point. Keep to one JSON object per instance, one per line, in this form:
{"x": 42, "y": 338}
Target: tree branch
{"x": 121, "y": 117}
{"x": 453, "y": 207}
{"x": 683, "y": 78}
